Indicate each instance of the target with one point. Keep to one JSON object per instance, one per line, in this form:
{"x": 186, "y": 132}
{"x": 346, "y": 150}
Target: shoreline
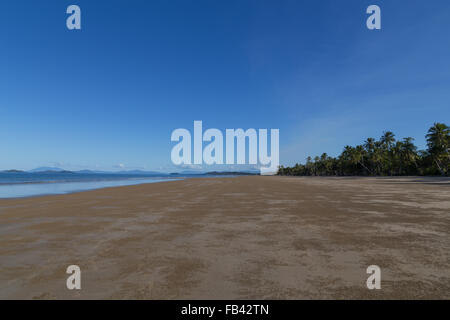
{"x": 423, "y": 179}
{"x": 251, "y": 237}
{"x": 68, "y": 186}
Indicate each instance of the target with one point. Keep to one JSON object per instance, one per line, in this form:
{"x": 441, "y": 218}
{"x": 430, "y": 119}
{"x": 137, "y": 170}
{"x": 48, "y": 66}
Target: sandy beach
{"x": 248, "y": 237}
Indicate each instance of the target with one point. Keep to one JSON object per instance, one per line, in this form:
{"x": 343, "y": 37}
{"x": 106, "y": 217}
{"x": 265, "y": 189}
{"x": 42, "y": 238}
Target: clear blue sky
{"x": 113, "y": 92}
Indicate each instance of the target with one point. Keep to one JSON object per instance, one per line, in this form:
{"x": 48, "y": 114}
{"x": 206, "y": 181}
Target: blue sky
{"x": 109, "y": 95}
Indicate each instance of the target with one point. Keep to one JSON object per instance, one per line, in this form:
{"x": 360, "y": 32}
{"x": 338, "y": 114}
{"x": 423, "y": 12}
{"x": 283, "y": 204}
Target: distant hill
{"x": 232, "y": 173}
{"x": 136, "y": 172}
{"x": 140, "y": 172}
{"x": 86, "y": 171}
{"x": 90, "y": 171}
{"x": 191, "y": 172}
{"x": 215, "y": 173}
{"x": 47, "y": 169}
{"x": 12, "y": 171}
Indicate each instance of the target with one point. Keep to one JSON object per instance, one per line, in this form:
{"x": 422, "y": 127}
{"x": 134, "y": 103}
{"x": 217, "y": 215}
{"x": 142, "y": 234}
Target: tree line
{"x": 384, "y": 157}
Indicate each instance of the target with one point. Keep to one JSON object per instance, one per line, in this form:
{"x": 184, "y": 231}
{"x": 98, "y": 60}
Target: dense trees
{"x": 383, "y": 157}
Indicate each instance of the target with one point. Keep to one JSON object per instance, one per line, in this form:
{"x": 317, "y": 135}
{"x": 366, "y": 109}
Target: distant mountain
{"x": 140, "y": 172}
{"x": 136, "y": 172}
{"x": 199, "y": 172}
{"x": 232, "y": 173}
{"x": 12, "y": 171}
{"x": 192, "y": 172}
{"x": 47, "y": 169}
{"x": 86, "y": 171}
{"x": 92, "y": 171}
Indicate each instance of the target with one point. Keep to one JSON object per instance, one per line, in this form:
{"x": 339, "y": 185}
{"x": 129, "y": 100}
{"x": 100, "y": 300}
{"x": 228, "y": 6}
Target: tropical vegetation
{"x": 384, "y": 157}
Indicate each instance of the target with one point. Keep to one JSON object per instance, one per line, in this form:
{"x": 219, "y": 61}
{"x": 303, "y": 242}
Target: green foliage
{"x": 385, "y": 157}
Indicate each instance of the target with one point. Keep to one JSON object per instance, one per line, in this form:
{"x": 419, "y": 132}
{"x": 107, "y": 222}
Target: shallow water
{"x": 19, "y": 190}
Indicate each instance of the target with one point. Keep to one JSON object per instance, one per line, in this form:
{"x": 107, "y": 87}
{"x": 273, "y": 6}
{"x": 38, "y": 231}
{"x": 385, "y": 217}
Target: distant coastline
{"x": 18, "y": 184}
{"x": 51, "y": 170}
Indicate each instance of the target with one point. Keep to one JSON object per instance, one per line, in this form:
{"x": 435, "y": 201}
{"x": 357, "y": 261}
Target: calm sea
{"x": 25, "y": 184}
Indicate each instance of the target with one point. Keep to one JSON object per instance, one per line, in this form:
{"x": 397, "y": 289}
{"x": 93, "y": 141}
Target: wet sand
{"x": 232, "y": 238}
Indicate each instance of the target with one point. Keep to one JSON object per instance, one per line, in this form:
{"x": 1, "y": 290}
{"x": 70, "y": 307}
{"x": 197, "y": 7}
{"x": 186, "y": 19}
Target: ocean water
{"x": 25, "y": 184}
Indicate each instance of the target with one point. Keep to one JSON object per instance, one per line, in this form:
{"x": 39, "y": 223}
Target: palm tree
{"x": 347, "y": 159}
{"x": 438, "y": 141}
{"x": 369, "y": 145}
{"x": 387, "y": 139}
{"x": 316, "y": 165}
{"x": 378, "y": 157}
{"x": 409, "y": 152}
{"x": 359, "y": 154}
{"x": 387, "y": 142}
{"x": 383, "y": 157}
{"x": 309, "y": 166}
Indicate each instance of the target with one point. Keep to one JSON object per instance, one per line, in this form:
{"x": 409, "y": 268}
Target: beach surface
{"x": 250, "y": 237}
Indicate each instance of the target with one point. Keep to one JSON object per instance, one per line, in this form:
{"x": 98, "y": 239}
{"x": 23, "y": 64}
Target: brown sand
{"x": 227, "y": 238}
